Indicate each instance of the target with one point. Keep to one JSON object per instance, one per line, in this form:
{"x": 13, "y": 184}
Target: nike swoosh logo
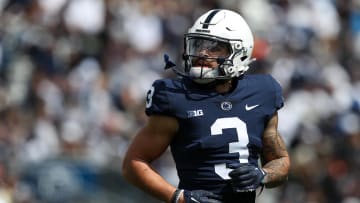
{"x": 248, "y": 108}
{"x": 193, "y": 199}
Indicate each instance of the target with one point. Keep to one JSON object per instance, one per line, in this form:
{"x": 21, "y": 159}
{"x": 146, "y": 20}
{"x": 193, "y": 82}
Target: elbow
{"x": 286, "y": 170}
{"x": 288, "y": 166}
{"x": 130, "y": 167}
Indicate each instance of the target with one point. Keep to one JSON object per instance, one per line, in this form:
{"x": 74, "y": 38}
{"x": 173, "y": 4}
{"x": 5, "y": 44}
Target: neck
{"x": 225, "y": 87}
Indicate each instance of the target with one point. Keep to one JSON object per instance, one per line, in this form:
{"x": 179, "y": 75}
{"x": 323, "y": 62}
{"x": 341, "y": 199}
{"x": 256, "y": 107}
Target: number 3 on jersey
{"x": 234, "y": 147}
{"x": 149, "y": 96}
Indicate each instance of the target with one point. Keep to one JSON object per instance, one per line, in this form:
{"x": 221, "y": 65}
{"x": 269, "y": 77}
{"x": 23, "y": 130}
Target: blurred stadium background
{"x": 74, "y": 73}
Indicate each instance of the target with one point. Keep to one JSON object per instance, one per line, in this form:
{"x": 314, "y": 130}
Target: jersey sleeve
{"x": 279, "y": 99}
{"x": 277, "y": 90}
{"x": 157, "y": 99}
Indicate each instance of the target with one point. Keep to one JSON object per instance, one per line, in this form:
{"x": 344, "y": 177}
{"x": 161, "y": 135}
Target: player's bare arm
{"x": 150, "y": 142}
{"x": 276, "y": 161}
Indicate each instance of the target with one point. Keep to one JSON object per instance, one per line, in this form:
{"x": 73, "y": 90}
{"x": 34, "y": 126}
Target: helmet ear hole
{"x": 243, "y": 58}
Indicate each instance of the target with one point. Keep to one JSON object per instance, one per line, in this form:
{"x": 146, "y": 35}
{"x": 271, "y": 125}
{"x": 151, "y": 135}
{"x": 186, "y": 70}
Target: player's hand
{"x": 201, "y": 196}
{"x": 246, "y": 178}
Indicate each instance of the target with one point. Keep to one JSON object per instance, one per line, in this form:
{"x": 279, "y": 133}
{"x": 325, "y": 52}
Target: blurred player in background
{"x": 218, "y": 121}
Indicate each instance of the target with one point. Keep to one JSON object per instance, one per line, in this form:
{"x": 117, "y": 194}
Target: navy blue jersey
{"x": 216, "y": 131}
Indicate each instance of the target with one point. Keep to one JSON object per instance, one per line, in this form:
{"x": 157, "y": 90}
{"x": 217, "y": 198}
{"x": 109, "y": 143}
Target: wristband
{"x": 176, "y": 196}
{"x": 263, "y": 179}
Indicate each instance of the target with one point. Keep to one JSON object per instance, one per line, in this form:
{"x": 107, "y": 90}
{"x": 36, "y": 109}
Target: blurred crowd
{"x": 74, "y": 75}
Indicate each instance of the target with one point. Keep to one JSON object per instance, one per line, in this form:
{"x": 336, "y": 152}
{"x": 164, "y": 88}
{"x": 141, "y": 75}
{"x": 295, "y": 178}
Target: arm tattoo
{"x": 275, "y": 157}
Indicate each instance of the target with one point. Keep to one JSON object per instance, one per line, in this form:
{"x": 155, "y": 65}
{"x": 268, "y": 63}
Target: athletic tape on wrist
{"x": 176, "y": 196}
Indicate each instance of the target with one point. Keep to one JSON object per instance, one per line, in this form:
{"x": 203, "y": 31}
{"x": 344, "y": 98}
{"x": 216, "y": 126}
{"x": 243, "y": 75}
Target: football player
{"x": 218, "y": 121}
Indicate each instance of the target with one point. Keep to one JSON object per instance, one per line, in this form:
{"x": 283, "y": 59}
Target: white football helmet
{"x": 218, "y": 28}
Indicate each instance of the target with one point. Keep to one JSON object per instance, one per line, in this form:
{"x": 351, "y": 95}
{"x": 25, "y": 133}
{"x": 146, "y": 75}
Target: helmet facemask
{"x": 202, "y": 50}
